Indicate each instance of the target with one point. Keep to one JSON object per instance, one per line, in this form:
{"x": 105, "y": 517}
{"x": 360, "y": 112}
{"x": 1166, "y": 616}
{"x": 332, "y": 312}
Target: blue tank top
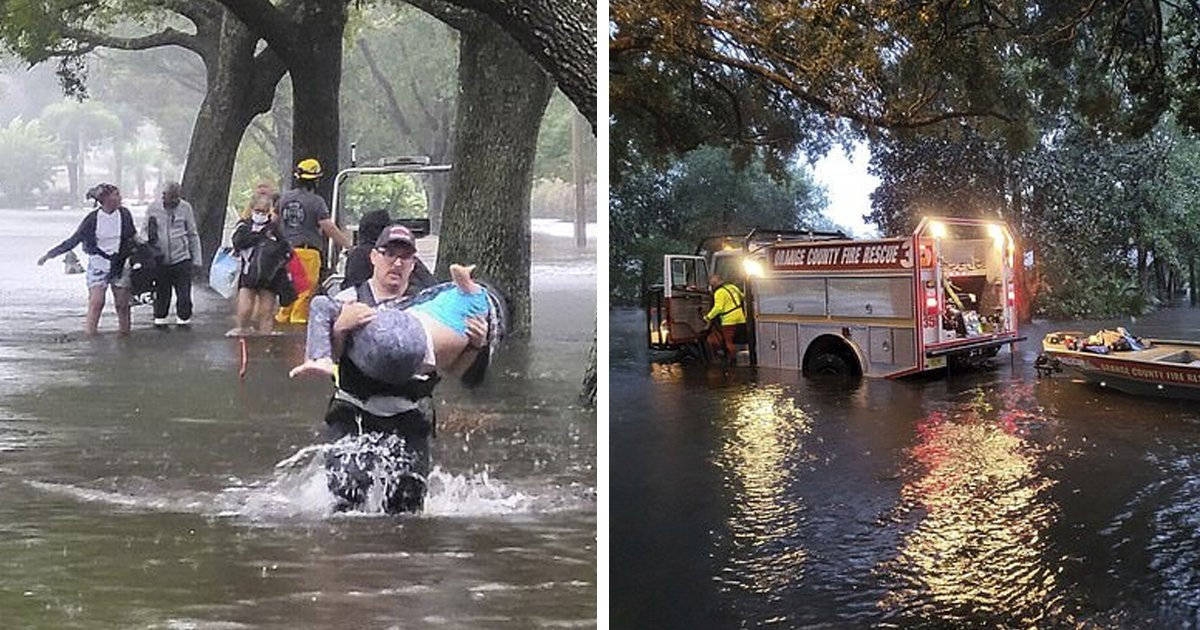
{"x": 451, "y": 305}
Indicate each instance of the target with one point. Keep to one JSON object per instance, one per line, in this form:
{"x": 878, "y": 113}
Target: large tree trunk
{"x": 316, "y": 90}
{"x": 588, "y": 395}
{"x": 486, "y": 218}
{"x": 240, "y": 86}
{"x": 209, "y": 171}
{"x": 1143, "y": 271}
{"x": 1192, "y": 281}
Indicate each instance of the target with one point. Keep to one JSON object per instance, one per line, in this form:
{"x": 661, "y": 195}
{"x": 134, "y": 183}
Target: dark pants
{"x": 724, "y": 338}
{"x": 350, "y": 478}
{"x": 179, "y": 278}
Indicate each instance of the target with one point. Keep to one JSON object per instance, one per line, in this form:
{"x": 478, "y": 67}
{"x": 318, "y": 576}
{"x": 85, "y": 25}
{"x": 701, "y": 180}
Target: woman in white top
{"x": 107, "y": 235}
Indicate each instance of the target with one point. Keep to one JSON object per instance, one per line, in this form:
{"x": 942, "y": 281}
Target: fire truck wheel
{"x": 829, "y": 364}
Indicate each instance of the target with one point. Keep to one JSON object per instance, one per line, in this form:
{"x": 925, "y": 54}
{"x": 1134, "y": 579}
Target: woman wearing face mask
{"x": 264, "y": 254}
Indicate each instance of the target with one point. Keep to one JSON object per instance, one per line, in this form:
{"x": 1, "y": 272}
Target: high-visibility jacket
{"x": 728, "y": 304}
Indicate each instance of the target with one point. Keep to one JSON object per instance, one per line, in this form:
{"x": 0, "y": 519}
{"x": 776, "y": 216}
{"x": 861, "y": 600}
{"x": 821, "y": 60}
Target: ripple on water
{"x": 1166, "y": 513}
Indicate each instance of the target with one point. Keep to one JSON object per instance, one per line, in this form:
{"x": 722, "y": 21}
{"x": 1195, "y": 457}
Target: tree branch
{"x": 270, "y": 23}
{"x": 822, "y": 104}
{"x": 455, "y": 17}
{"x": 163, "y": 38}
{"x": 200, "y": 12}
{"x": 560, "y": 36}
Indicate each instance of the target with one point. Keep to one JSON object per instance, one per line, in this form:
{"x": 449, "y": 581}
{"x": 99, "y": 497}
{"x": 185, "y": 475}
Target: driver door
{"x": 685, "y": 288}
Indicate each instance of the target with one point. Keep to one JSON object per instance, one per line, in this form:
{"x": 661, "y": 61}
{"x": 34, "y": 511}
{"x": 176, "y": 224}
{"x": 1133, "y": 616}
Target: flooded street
{"x": 988, "y": 499}
{"x": 139, "y": 487}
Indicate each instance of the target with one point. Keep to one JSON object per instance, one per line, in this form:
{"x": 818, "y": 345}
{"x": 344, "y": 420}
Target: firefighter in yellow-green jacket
{"x": 727, "y": 317}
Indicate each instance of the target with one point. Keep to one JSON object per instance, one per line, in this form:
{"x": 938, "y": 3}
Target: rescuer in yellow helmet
{"x": 305, "y": 221}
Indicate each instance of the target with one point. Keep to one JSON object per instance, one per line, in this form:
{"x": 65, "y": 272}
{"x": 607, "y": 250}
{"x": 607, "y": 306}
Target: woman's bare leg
{"x": 245, "y": 309}
{"x": 95, "y": 306}
{"x": 122, "y": 298}
{"x": 265, "y": 311}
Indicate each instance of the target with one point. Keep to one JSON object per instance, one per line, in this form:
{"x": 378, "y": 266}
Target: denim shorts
{"x": 99, "y": 278}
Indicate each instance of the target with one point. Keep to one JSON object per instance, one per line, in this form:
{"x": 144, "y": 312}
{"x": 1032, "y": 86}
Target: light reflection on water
{"x": 979, "y": 510}
{"x": 761, "y": 440}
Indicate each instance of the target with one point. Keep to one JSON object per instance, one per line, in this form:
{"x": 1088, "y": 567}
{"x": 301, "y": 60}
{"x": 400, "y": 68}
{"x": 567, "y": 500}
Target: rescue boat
{"x": 1144, "y": 367}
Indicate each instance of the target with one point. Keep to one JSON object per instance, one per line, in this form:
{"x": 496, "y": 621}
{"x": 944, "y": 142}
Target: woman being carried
{"x": 392, "y": 345}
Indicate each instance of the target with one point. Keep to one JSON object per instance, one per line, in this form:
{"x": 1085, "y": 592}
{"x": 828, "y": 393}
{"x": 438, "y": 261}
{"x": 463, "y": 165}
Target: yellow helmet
{"x": 308, "y": 168}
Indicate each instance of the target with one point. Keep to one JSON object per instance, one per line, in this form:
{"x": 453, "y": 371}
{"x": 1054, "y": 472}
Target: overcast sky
{"x": 849, "y": 187}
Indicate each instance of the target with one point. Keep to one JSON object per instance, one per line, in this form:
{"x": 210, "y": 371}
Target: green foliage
{"x": 554, "y": 143}
{"x": 418, "y": 58}
{"x": 399, "y": 193}
{"x": 656, "y": 212}
{"x": 1093, "y": 294}
{"x": 797, "y": 76}
{"x": 31, "y": 154}
{"x": 80, "y": 125}
{"x": 1102, "y": 213}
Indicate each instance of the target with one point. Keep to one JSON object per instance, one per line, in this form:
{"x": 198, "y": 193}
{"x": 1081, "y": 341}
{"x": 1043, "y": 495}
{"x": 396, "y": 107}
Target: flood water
{"x": 751, "y": 498}
{"x": 139, "y": 487}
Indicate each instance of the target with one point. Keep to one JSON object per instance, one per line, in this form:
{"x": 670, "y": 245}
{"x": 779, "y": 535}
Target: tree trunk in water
{"x": 1192, "y": 280}
{"x": 588, "y": 395}
{"x": 206, "y": 180}
{"x": 486, "y": 218}
{"x": 1143, "y": 273}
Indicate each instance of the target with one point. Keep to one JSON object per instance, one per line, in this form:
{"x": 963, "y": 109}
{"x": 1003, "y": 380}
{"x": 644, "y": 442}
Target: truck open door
{"x": 675, "y": 309}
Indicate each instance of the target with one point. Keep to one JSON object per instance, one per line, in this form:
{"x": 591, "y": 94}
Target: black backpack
{"x": 143, "y": 268}
{"x": 266, "y": 259}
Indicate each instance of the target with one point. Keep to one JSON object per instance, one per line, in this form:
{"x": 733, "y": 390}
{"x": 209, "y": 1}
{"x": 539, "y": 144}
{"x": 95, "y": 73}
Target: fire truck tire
{"x": 830, "y": 364}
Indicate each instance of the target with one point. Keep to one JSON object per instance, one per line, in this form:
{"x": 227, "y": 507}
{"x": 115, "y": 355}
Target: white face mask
{"x": 259, "y": 218}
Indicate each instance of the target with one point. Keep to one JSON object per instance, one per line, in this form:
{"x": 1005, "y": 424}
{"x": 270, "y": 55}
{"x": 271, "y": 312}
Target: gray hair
{"x": 173, "y": 187}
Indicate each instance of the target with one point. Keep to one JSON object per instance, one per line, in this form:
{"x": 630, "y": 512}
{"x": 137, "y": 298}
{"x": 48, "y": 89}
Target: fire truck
{"x": 881, "y": 308}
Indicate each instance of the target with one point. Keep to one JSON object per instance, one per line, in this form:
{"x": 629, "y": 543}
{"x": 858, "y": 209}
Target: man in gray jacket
{"x": 171, "y": 226}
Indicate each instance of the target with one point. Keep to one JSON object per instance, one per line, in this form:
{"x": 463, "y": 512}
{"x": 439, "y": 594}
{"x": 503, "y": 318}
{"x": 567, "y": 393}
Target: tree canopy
{"x": 995, "y": 108}
{"x": 795, "y": 77}
{"x": 655, "y": 212}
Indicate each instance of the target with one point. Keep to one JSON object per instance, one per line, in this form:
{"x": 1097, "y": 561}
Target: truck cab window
{"x": 686, "y": 275}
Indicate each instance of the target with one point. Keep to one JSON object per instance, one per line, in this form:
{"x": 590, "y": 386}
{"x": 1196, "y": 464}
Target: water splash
{"x": 298, "y": 492}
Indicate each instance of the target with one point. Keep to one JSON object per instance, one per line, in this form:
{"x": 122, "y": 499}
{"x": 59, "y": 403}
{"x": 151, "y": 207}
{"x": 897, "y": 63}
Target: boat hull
{"x": 1142, "y": 373}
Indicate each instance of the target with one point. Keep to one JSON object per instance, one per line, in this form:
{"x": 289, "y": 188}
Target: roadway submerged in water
{"x": 989, "y": 499}
{"x": 139, "y": 484}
